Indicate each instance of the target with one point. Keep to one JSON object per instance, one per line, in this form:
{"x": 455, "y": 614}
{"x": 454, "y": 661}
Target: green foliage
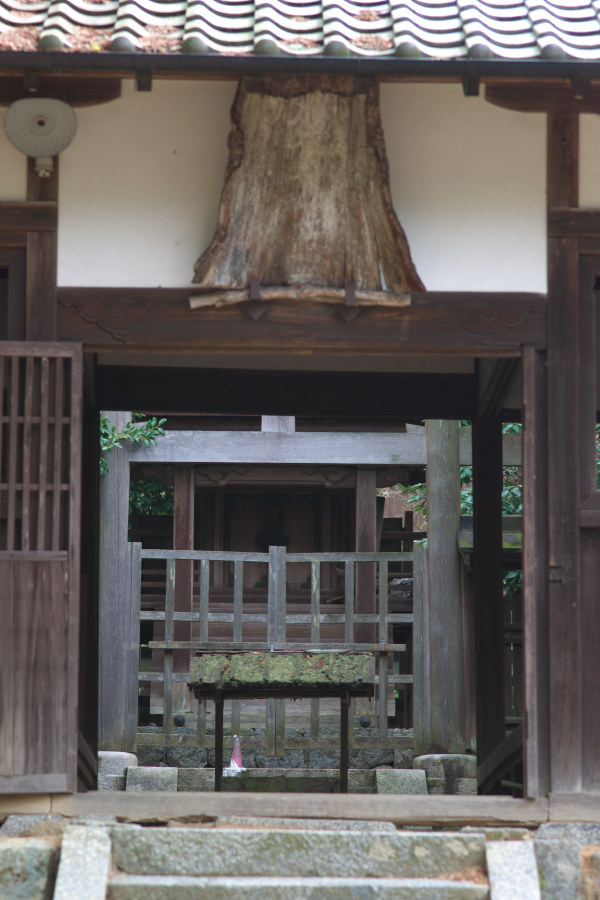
{"x": 150, "y": 498}
{"x": 140, "y": 430}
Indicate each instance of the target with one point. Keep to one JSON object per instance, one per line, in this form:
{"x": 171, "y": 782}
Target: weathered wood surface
{"x": 535, "y": 565}
{"x": 160, "y": 320}
{"x": 445, "y": 604}
{"x": 306, "y": 196}
{"x": 40, "y": 435}
{"x": 589, "y": 538}
{"x": 421, "y": 810}
{"x": 310, "y": 448}
{"x": 301, "y": 293}
{"x": 564, "y": 600}
{"x": 117, "y": 660}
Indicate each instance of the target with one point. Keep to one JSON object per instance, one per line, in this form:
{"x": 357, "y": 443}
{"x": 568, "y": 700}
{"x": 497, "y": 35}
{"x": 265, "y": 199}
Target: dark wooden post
{"x": 118, "y": 646}
{"x": 366, "y": 542}
{"x": 40, "y": 298}
{"x": 445, "y": 604}
{"x": 489, "y": 611}
{"x": 183, "y": 539}
{"x": 535, "y": 567}
{"x": 563, "y": 470}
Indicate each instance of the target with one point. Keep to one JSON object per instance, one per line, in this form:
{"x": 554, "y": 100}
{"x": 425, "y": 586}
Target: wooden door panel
{"x": 40, "y": 459}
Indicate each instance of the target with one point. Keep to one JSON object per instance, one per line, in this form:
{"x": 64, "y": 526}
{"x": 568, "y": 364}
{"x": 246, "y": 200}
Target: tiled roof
{"x": 430, "y": 29}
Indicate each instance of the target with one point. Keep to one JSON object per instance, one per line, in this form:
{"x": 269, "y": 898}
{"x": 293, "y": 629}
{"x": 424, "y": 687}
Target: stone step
{"x": 171, "y": 887}
{"x": 264, "y": 852}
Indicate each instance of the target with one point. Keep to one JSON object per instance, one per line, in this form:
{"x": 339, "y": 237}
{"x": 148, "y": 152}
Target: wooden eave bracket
{"x": 76, "y": 90}
{"x": 574, "y": 95}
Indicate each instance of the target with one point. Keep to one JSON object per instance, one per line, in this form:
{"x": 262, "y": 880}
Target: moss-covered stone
{"x": 221, "y": 670}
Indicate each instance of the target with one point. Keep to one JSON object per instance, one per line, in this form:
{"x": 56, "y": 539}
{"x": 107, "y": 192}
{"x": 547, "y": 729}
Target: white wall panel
{"x": 468, "y": 184}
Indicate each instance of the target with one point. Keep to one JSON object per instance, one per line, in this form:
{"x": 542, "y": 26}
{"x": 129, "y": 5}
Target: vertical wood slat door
{"x": 40, "y": 475}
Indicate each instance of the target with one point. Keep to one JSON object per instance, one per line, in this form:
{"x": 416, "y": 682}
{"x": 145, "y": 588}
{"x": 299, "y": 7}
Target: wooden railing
{"x": 282, "y": 625}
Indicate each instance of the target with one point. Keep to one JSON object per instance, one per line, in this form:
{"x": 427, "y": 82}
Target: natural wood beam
{"x": 160, "y": 320}
{"x": 307, "y": 448}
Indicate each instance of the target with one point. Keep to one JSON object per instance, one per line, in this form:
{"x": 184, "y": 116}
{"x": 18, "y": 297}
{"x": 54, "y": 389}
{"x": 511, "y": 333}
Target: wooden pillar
{"x": 40, "y": 295}
{"x": 183, "y": 539}
{"x": 563, "y": 470}
{"x": 366, "y": 542}
{"x": 489, "y": 610}
{"x": 445, "y": 604}
{"x": 118, "y": 644}
{"x": 535, "y": 568}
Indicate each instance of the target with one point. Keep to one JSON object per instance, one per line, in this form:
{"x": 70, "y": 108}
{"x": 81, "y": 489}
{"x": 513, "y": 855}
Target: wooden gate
{"x": 40, "y": 455}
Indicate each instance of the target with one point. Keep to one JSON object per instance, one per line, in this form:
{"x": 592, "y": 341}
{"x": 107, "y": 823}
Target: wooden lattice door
{"x": 40, "y": 475}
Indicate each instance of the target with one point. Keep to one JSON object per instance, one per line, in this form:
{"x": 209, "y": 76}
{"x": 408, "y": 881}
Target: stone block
{"x": 161, "y": 778}
{"x": 491, "y": 833}
{"x": 186, "y": 757}
{"x": 112, "y": 762}
{"x": 217, "y": 852}
{"x": 292, "y": 759}
{"x": 436, "y": 785}
{"x": 200, "y": 779}
{"x": 111, "y": 782}
{"x": 466, "y": 786}
{"x": 403, "y": 759}
{"x": 24, "y": 825}
{"x": 512, "y": 870}
{"x": 84, "y": 863}
{"x": 27, "y": 869}
{"x": 450, "y": 766}
{"x": 361, "y": 781}
{"x": 151, "y": 756}
{"x": 559, "y": 865}
{"x": 400, "y": 781}
{"x": 133, "y": 887}
{"x": 323, "y": 759}
{"x": 370, "y": 759}
{"x": 583, "y": 833}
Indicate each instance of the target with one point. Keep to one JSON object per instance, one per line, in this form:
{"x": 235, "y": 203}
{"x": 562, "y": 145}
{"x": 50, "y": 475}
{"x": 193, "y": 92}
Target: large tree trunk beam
{"x": 306, "y": 199}
{"x": 301, "y": 292}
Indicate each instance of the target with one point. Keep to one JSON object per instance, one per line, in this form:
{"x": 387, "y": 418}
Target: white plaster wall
{"x": 468, "y": 183}
{"x": 589, "y": 161}
{"x": 140, "y": 186}
{"x": 13, "y": 167}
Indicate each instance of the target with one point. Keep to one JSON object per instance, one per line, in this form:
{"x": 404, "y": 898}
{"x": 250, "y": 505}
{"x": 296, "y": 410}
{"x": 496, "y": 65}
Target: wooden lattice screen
{"x": 40, "y": 466}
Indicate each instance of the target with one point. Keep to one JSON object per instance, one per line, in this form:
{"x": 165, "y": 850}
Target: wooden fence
{"x": 222, "y": 623}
